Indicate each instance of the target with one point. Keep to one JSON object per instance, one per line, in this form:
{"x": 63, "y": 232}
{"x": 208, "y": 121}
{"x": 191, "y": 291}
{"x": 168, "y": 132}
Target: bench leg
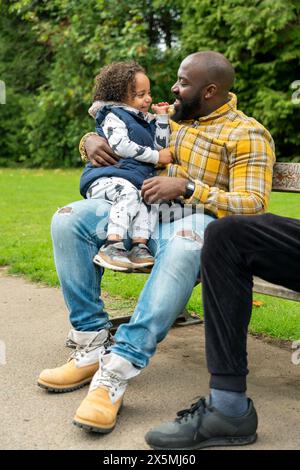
{"x": 117, "y": 321}
{"x": 186, "y": 319}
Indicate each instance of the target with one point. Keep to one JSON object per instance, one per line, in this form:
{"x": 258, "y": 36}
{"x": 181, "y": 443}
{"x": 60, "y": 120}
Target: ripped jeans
{"x": 79, "y": 230}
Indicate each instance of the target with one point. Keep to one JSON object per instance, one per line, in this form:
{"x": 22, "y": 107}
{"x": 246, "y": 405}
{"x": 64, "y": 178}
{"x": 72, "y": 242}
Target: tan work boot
{"x": 98, "y": 411}
{"x": 81, "y": 366}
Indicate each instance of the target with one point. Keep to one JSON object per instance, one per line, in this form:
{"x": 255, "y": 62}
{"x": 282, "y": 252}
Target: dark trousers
{"x": 235, "y": 249}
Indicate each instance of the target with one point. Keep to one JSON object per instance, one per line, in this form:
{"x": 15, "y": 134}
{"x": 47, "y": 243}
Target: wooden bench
{"x": 286, "y": 178}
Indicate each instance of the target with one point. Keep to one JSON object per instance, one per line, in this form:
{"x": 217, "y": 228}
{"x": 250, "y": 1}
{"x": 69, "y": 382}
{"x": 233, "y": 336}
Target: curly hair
{"x": 116, "y": 80}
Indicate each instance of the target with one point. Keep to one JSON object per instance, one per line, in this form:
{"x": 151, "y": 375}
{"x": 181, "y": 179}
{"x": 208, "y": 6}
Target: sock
{"x": 233, "y": 404}
{"x": 120, "y": 366}
{"x": 112, "y": 242}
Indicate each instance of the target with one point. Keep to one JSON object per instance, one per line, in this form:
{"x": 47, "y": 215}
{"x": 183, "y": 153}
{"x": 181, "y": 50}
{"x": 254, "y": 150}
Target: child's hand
{"x": 165, "y": 156}
{"x": 160, "y": 108}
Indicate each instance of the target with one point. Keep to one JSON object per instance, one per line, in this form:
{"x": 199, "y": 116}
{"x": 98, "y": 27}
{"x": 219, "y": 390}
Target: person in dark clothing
{"x": 235, "y": 249}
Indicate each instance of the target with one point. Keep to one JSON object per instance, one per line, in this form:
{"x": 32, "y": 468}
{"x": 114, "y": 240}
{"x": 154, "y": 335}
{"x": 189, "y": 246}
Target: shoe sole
{"x": 104, "y": 264}
{"x": 143, "y": 265}
{"x": 215, "y": 442}
{"x": 90, "y": 427}
{"x": 63, "y": 389}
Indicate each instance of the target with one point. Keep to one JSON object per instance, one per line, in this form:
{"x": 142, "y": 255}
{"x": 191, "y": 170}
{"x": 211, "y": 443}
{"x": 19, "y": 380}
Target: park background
{"x": 50, "y": 52}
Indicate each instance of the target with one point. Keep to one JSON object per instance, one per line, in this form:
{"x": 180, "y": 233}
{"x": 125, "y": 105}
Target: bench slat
{"x": 263, "y": 287}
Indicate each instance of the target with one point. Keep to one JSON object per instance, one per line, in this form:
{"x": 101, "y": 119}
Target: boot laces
{"x": 108, "y": 379}
{"x": 81, "y": 351}
{"x": 200, "y": 405}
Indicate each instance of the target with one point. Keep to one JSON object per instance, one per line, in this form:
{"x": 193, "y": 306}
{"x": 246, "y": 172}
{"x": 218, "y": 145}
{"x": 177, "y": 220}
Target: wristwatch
{"x": 82, "y": 151}
{"x": 189, "y": 189}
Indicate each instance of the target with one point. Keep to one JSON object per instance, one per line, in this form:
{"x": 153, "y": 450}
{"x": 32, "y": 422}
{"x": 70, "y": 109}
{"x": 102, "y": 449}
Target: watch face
{"x": 190, "y": 188}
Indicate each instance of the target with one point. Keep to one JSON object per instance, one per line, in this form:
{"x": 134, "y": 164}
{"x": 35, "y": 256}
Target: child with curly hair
{"x": 121, "y": 104}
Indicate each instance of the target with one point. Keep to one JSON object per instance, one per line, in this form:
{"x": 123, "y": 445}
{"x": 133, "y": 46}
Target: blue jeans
{"x": 79, "y": 230}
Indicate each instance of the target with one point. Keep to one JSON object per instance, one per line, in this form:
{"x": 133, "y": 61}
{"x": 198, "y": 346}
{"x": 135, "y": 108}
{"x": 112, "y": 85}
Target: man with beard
{"x": 223, "y": 165}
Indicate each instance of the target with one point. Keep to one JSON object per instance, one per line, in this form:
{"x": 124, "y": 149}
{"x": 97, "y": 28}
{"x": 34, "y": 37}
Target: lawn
{"x": 30, "y": 197}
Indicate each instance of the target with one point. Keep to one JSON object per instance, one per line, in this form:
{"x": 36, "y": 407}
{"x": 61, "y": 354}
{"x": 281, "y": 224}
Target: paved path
{"x": 33, "y": 325}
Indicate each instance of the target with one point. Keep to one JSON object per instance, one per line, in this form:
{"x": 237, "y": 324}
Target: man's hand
{"x": 99, "y": 152}
{"x": 163, "y": 188}
{"x": 165, "y": 156}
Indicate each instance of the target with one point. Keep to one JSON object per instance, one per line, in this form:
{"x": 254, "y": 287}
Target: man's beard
{"x": 187, "y": 110}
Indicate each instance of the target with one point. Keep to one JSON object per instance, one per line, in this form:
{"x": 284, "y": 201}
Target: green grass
{"x": 30, "y": 197}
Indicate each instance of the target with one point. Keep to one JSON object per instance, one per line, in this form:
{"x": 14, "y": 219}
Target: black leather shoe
{"x": 204, "y": 426}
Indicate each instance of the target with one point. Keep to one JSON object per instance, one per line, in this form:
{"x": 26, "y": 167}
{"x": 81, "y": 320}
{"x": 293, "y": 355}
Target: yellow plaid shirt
{"x": 229, "y": 156}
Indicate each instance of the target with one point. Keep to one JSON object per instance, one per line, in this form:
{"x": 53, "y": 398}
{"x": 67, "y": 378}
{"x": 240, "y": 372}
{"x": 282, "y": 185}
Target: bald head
{"x": 214, "y": 67}
{"x": 203, "y": 82}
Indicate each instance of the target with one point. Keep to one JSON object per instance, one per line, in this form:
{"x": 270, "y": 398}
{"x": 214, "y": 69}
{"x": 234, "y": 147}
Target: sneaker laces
{"x": 119, "y": 246}
{"x": 142, "y": 247}
{"x": 200, "y": 405}
{"x": 81, "y": 351}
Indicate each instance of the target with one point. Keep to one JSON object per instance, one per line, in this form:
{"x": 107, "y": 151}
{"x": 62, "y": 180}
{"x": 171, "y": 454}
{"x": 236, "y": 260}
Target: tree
{"x": 262, "y": 40}
{"x": 50, "y": 53}
{"x": 20, "y": 58}
{"x": 77, "y": 38}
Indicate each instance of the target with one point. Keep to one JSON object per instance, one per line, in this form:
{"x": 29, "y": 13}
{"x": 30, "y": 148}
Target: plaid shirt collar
{"x": 231, "y": 105}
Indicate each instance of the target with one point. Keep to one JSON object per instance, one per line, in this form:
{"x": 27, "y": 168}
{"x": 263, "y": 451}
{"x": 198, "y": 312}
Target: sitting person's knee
{"x": 221, "y": 231}
{"x": 59, "y": 219}
{"x": 191, "y": 235}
